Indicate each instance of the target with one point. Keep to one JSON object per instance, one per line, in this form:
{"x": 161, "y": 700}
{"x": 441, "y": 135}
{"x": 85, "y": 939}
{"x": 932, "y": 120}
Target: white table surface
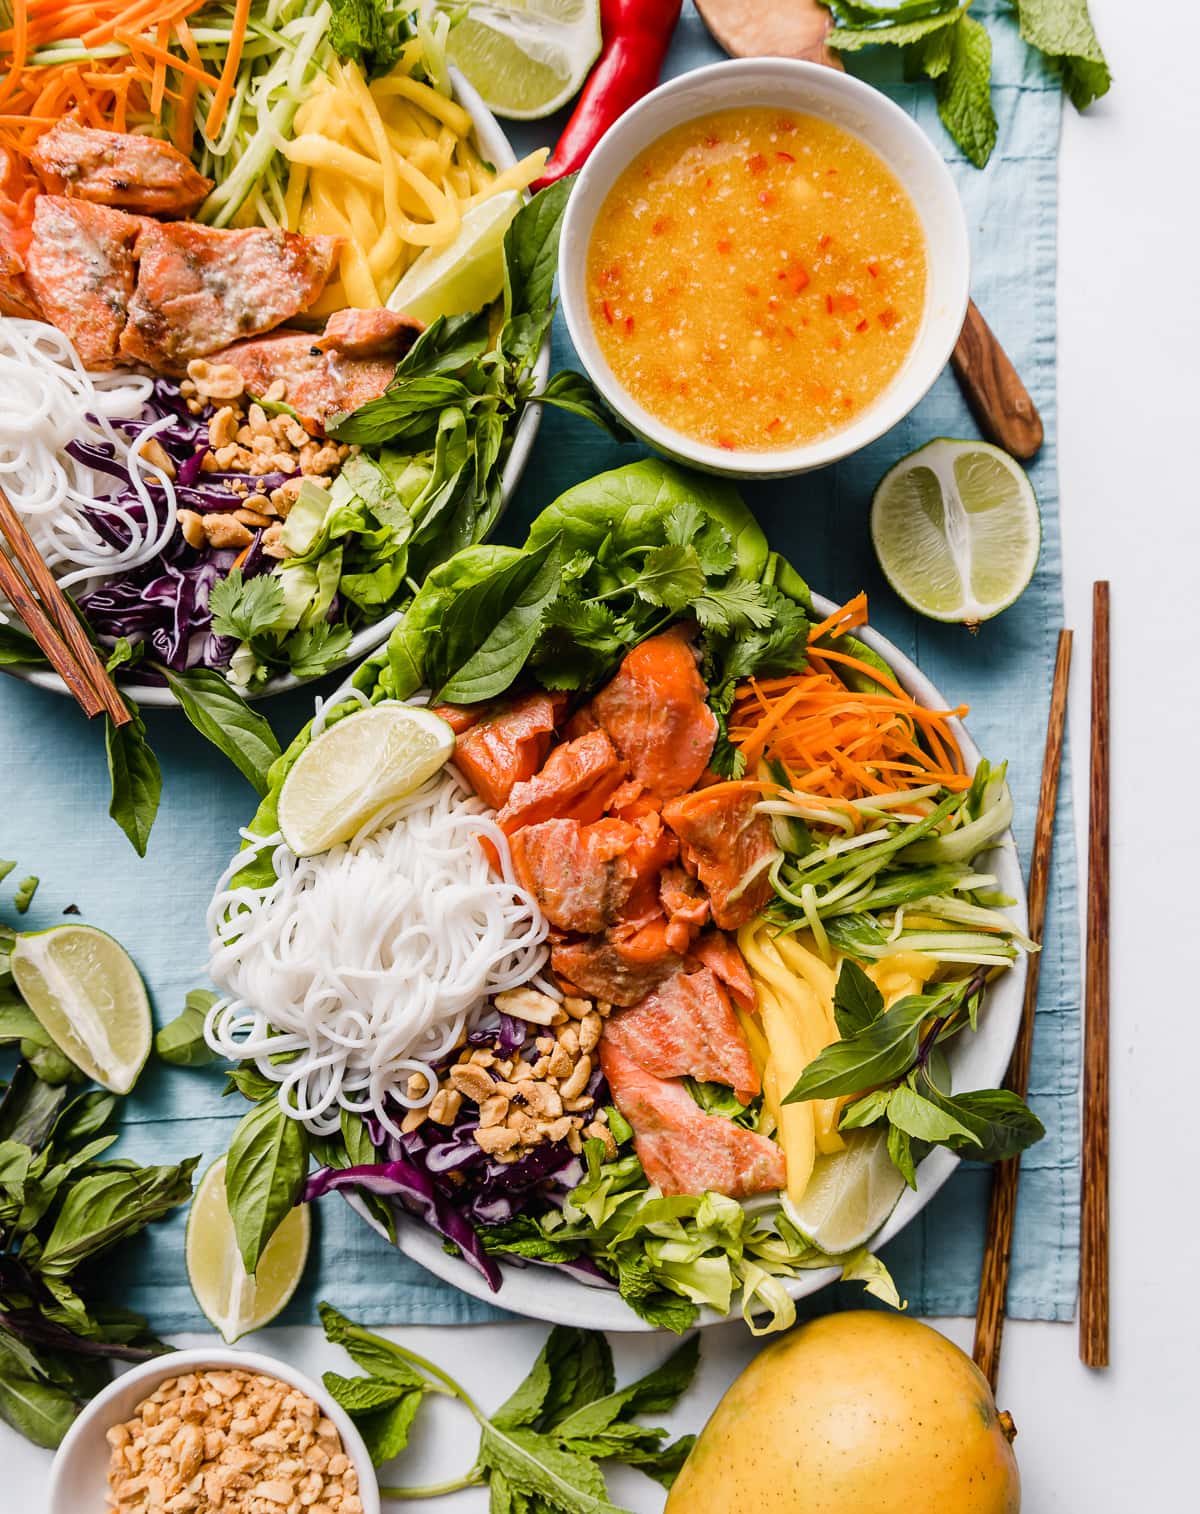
{"x": 1123, "y": 1439}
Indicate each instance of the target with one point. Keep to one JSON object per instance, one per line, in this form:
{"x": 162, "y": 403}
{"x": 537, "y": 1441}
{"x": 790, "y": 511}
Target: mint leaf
{"x": 243, "y": 610}
{"x": 853, "y": 34}
{"x": 857, "y": 1002}
{"x": 1062, "y": 29}
{"x": 964, "y": 90}
{"x": 318, "y": 649}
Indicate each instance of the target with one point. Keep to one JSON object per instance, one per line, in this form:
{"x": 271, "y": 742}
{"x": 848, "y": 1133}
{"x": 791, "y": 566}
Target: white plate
{"x": 976, "y": 1061}
{"x": 495, "y": 148}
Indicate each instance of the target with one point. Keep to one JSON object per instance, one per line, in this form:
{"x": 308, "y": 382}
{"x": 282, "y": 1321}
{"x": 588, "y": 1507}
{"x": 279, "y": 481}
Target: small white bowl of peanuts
{"x": 213, "y": 1429}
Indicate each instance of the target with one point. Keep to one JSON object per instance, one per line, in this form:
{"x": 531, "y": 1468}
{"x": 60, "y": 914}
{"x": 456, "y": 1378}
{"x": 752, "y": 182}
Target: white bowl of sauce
{"x": 764, "y": 266}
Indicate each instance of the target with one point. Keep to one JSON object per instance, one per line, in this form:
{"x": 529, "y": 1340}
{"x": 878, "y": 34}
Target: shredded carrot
{"x": 838, "y": 745}
{"x": 233, "y": 58}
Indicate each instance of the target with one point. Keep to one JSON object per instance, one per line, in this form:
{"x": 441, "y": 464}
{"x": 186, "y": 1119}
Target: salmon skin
{"x": 576, "y": 783}
{"x": 508, "y": 744}
{"x": 80, "y": 269}
{"x": 200, "y": 288}
{"x": 724, "y": 842}
{"x": 126, "y": 170}
{"x": 655, "y": 714}
{"x": 687, "y": 1028}
{"x": 683, "y": 1149}
{"x": 585, "y": 877}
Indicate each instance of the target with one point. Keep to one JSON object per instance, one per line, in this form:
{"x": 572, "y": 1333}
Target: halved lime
{"x": 357, "y": 767}
{"x": 468, "y": 274}
{"x": 89, "y": 998}
{"x": 234, "y": 1301}
{"x": 526, "y": 58}
{"x": 849, "y": 1195}
{"x": 957, "y": 531}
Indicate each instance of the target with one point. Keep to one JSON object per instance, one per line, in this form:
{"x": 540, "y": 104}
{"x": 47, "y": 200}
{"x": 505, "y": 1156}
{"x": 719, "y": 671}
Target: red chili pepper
{"x": 636, "y": 36}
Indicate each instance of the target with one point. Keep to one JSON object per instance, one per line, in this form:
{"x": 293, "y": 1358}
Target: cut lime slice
{"x": 468, "y": 274}
{"x": 957, "y": 531}
{"x": 849, "y": 1195}
{"x": 231, "y": 1299}
{"x": 526, "y": 59}
{"x": 89, "y": 998}
{"x": 356, "y": 768}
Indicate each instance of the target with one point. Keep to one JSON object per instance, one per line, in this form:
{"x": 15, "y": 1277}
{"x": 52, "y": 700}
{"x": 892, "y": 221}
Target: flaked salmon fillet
{"x": 126, "y": 170}
{"x": 618, "y": 968}
{"x": 576, "y": 783}
{"x": 721, "y": 953}
{"x": 507, "y": 745}
{"x": 199, "y": 288}
{"x": 683, "y": 1149}
{"x": 685, "y": 905}
{"x": 687, "y": 1028}
{"x": 318, "y": 385}
{"x": 80, "y": 269}
{"x": 585, "y": 877}
{"x": 654, "y": 711}
{"x": 16, "y": 297}
{"x": 369, "y": 333}
{"x": 727, "y": 846}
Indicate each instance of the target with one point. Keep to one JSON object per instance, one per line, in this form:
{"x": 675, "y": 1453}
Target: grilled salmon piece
{"x": 80, "y": 268}
{"x": 654, "y": 711}
{"x": 576, "y": 783}
{"x": 586, "y": 877}
{"x": 683, "y": 1149}
{"x": 369, "y": 333}
{"x": 618, "y": 968}
{"x": 685, "y": 905}
{"x": 123, "y": 169}
{"x": 508, "y": 744}
{"x": 687, "y": 1028}
{"x": 318, "y": 384}
{"x": 459, "y": 717}
{"x": 720, "y": 952}
{"x": 724, "y": 843}
{"x": 200, "y": 288}
{"x": 16, "y": 297}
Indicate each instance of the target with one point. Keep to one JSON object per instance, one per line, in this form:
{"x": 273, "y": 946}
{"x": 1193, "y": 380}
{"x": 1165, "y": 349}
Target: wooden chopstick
{"x": 1093, "y": 1252}
{"x": 1002, "y": 1206}
{"x": 17, "y": 592}
{"x": 56, "y": 608}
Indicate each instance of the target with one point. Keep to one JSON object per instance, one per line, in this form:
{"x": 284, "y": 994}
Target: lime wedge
{"x": 89, "y": 998}
{"x": 849, "y": 1195}
{"x": 234, "y": 1301}
{"x": 956, "y": 530}
{"x": 356, "y": 768}
{"x": 468, "y": 274}
{"x": 526, "y": 59}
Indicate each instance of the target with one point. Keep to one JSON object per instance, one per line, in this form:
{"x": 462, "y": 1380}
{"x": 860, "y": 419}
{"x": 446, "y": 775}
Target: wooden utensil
{"x": 992, "y": 387}
{"x": 1093, "y": 1253}
{"x": 52, "y": 622}
{"x": 1002, "y": 1207}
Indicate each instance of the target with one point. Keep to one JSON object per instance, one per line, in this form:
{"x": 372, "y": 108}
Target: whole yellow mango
{"x": 860, "y": 1413}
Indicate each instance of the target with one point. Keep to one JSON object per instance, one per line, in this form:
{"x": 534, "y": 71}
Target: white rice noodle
{"x": 363, "y": 965}
{"x": 48, "y": 399}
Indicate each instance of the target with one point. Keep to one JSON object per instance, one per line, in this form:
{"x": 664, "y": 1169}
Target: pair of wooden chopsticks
{"x": 1002, "y": 1209}
{"x": 52, "y": 622}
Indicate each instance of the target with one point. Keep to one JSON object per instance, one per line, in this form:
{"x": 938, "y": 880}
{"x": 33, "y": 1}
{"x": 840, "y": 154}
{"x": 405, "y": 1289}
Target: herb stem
{"x": 443, "y": 1383}
{"x": 473, "y": 1479}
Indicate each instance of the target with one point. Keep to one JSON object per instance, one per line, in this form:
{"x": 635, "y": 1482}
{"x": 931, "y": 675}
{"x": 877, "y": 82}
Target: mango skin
{"x": 859, "y": 1413}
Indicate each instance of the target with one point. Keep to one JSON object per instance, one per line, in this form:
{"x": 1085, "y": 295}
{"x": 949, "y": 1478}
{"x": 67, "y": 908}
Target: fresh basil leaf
{"x": 857, "y": 1002}
{"x": 899, "y": 1144}
{"x": 40, "y": 1411}
{"x": 109, "y": 1204}
{"x": 926, "y": 1121}
{"x": 317, "y": 650}
{"x": 18, "y": 650}
{"x": 30, "y": 1108}
{"x": 883, "y": 1050}
{"x": 576, "y": 394}
{"x": 220, "y": 713}
{"x": 1000, "y": 1124}
{"x": 17, "y": 1022}
{"x": 531, "y": 250}
{"x": 250, "y": 1083}
{"x": 867, "y": 1110}
{"x": 181, "y": 1041}
{"x": 499, "y": 658}
{"x": 136, "y": 779}
{"x": 410, "y": 407}
{"x": 264, "y": 1175}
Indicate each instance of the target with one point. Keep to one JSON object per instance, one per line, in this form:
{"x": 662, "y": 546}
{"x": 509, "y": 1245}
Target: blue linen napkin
{"x": 56, "y": 825}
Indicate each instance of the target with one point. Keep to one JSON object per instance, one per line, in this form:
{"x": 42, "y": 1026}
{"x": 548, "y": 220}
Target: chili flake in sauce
{"x": 756, "y": 278}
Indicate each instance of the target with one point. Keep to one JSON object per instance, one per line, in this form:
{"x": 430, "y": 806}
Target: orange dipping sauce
{"x": 756, "y": 278}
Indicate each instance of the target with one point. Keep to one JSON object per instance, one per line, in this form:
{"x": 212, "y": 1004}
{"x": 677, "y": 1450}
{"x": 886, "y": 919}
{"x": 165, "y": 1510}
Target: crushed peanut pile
{"x": 524, "y": 1103}
{"x": 244, "y": 438}
{"x": 229, "y": 1441}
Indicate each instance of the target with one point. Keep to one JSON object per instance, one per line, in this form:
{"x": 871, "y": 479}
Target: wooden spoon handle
{"x": 992, "y": 387}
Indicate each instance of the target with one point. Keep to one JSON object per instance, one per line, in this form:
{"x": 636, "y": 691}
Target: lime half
{"x": 466, "y": 275}
{"x": 849, "y": 1195}
{"x": 89, "y": 998}
{"x": 357, "y": 767}
{"x": 525, "y": 58}
{"x": 957, "y": 531}
{"x": 234, "y": 1301}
